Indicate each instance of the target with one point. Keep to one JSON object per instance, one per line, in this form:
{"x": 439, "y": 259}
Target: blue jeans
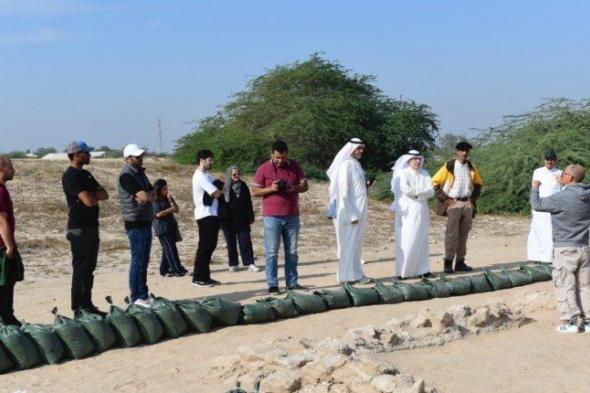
{"x": 140, "y": 241}
{"x": 274, "y": 228}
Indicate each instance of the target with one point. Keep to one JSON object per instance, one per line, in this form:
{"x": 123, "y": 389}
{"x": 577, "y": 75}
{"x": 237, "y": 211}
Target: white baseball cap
{"x": 133, "y": 150}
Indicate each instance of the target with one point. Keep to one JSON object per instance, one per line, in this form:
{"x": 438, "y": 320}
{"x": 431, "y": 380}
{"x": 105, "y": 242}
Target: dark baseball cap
{"x": 550, "y": 154}
{"x": 78, "y": 146}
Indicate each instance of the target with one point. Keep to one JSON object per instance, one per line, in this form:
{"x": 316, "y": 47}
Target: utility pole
{"x": 160, "y": 136}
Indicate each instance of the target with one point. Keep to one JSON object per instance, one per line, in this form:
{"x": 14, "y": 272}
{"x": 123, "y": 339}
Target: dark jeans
{"x": 245, "y": 242}
{"x": 208, "y": 232}
{"x": 84, "y": 244}
{"x": 140, "y": 240}
{"x": 6, "y": 303}
{"x": 170, "y": 262}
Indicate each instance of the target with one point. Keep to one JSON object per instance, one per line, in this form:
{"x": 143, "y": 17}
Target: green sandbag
{"x": 335, "y": 298}
{"x": 5, "y": 362}
{"x": 147, "y": 321}
{"x": 412, "y": 292}
{"x": 480, "y": 283}
{"x": 257, "y": 313}
{"x": 172, "y": 321}
{"x": 224, "y": 313}
{"x": 389, "y": 295}
{"x": 128, "y": 334}
{"x": 46, "y": 340}
{"x": 283, "y": 308}
{"x": 535, "y": 273}
{"x": 362, "y": 296}
{"x": 19, "y": 347}
{"x": 458, "y": 287}
{"x": 497, "y": 280}
{"x": 307, "y": 304}
{"x": 517, "y": 278}
{"x": 438, "y": 288}
{"x": 547, "y": 267}
{"x": 73, "y": 337}
{"x": 197, "y": 318}
{"x": 98, "y": 329}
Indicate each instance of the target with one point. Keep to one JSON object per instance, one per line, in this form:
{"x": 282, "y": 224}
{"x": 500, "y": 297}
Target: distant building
{"x": 30, "y": 155}
{"x": 64, "y": 156}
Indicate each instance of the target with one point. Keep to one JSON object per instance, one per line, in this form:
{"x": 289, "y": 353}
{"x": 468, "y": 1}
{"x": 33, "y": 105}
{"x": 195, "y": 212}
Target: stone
{"x": 281, "y": 381}
{"x": 368, "y": 333}
{"x": 390, "y": 338}
{"x": 422, "y": 321}
{"x": 338, "y": 388}
{"x": 446, "y": 320}
{"x": 334, "y": 345}
{"x": 418, "y": 387}
{"x": 460, "y": 312}
{"x": 384, "y": 383}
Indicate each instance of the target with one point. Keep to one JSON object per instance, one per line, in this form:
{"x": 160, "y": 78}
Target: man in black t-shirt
{"x": 83, "y": 194}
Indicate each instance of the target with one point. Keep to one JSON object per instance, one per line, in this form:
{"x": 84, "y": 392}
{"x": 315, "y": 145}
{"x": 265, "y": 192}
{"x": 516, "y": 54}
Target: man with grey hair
{"x": 570, "y": 219}
{"x": 11, "y": 266}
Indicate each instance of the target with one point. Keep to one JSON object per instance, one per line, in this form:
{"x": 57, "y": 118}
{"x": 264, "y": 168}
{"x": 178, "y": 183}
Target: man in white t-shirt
{"x": 540, "y": 241}
{"x": 205, "y": 195}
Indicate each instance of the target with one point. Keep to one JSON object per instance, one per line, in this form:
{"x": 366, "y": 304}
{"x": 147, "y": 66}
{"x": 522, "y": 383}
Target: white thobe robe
{"x": 351, "y": 205}
{"x": 412, "y": 220}
{"x": 540, "y": 242}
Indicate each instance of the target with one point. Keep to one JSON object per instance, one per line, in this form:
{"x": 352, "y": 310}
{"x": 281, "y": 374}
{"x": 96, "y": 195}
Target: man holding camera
{"x": 279, "y": 182}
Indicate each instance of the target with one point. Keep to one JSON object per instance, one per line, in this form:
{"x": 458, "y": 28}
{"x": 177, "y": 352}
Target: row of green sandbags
{"x": 33, "y": 344}
{"x": 296, "y": 303}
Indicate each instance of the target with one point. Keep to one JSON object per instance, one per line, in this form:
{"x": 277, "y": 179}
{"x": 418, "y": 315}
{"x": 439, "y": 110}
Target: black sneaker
{"x": 95, "y": 310}
{"x": 274, "y": 290}
{"x": 427, "y": 275}
{"x": 297, "y": 287}
{"x": 214, "y": 282}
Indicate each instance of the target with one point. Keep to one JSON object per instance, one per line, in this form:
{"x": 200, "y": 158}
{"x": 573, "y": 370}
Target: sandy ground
{"x": 531, "y": 358}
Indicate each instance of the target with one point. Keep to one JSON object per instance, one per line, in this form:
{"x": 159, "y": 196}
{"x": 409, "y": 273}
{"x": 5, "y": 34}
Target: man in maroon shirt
{"x": 9, "y": 263}
{"x": 279, "y": 182}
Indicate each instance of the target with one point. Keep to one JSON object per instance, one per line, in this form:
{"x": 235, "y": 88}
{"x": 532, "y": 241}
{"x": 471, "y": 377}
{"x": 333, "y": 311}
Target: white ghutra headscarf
{"x": 344, "y": 154}
{"x": 401, "y": 163}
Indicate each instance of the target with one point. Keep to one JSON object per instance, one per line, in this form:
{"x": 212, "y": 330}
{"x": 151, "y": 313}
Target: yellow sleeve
{"x": 477, "y": 180}
{"x": 440, "y": 178}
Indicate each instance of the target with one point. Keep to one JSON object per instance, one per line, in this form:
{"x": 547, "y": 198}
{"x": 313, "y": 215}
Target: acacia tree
{"x": 508, "y": 155}
{"x": 315, "y": 106}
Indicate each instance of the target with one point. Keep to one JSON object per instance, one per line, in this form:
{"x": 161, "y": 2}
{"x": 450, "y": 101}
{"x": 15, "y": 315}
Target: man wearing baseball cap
{"x": 135, "y": 196}
{"x": 83, "y": 194}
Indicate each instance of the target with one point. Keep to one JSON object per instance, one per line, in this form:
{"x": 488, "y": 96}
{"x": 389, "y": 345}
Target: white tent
{"x": 64, "y": 156}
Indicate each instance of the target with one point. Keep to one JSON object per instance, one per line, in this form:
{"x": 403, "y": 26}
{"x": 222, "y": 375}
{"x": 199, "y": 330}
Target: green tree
{"x": 507, "y": 156}
{"x": 315, "y": 106}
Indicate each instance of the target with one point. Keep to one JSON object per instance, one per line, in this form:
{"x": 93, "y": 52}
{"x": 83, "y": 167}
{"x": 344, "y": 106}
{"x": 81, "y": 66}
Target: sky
{"x": 106, "y": 71}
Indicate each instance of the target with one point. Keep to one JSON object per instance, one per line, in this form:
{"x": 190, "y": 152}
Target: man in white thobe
{"x": 412, "y": 187}
{"x": 348, "y": 208}
{"x": 540, "y": 242}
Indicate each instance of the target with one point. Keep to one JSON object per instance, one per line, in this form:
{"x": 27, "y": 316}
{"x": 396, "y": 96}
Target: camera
{"x": 282, "y": 185}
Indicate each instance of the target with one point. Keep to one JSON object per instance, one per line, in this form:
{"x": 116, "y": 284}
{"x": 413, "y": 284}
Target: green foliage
{"x": 315, "y": 106}
{"x": 508, "y": 155}
{"x": 17, "y": 154}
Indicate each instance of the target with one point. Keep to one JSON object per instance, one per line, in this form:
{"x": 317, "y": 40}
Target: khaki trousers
{"x": 571, "y": 277}
{"x": 460, "y": 216}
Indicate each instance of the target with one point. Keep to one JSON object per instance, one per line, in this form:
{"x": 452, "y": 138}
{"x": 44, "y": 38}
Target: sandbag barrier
{"x": 88, "y": 334}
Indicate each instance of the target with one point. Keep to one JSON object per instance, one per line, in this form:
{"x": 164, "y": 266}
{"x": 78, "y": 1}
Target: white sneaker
{"x": 569, "y": 328}
{"x": 363, "y": 261}
{"x": 253, "y": 268}
{"x": 143, "y": 303}
{"x": 233, "y": 269}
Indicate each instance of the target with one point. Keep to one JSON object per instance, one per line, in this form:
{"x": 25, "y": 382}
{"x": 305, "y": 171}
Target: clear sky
{"x": 105, "y": 71}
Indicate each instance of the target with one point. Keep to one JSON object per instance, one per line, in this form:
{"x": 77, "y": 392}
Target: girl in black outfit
{"x": 166, "y": 229}
{"x": 236, "y": 215}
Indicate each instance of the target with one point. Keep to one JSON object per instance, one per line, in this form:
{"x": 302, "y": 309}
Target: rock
{"x": 334, "y": 345}
{"x": 422, "y": 321}
{"x": 338, "y": 388}
{"x": 281, "y": 381}
{"x": 368, "y": 333}
{"x": 446, "y": 320}
{"x": 295, "y": 361}
{"x": 384, "y": 383}
{"x": 459, "y": 312}
{"x": 418, "y": 387}
{"x": 481, "y": 318}
{"x": 362, "y": 388}
{"x": 333, "y": 361}
{"x": 390, "y": 338}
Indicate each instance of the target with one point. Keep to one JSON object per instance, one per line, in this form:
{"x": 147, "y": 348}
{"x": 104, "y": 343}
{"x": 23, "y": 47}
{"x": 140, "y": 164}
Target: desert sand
{"x": 532, "y": 357}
